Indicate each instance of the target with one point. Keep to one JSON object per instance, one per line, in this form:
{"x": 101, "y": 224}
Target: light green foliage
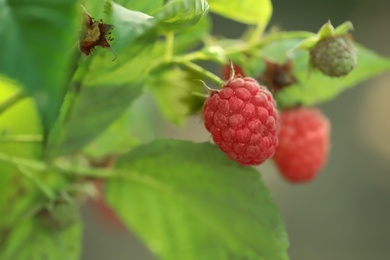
{"x": 179, "y": 14}
{"x": 148, "y": 7}
{"x": 100, "y": 83}
{"x": 36, "y": 49}
{"x": 24, "y": 192}
{"x": 129, "y": 25}
{"x": 188, "y": 201}
{"x": 192, "y": 36}
{"x": 44, "y": 237}
{"x": 13, "y": 205}
{"x": 110, "y": 84}
{"x": 178, "y": 94}
{"x": 256, "y": 12}
{"x": 118, "y": 138}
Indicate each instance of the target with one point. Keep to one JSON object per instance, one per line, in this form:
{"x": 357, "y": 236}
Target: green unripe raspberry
{"x": 334, "y": 56}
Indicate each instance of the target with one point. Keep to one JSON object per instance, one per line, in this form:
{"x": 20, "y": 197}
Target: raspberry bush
{"x": 77, "y": 79}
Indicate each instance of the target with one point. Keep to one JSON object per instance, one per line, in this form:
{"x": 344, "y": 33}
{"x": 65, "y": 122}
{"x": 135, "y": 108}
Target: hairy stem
{"x": 45, "y": 189}
{"x": 17, "y": 161}
{"x": 169, "y": 36}
{"x": 60, "y": 166}
{"x": 256, "y": 36}
{"x": 198, "y": 69}
{"x": 21, "y": 139}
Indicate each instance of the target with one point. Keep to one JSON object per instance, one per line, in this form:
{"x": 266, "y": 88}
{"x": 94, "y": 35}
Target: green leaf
{"x": 188, "y": 201}
{"x": 148, "y": 7}
{"x": 129, "y": 25}
{"x": 38, "y": 36}
{"x": 94, "y": 110}
{"x": 178, "y": 14}
{"x": 107, "y": 90}
{"x": 14, "y": 203}
{"x": 248, "y": 11}
{"x": 177, "y": 94}
{"x": 95, "y": 8}
{"x": 191, "y": 36}
{"x": 117, "y": 138}
{"x": 44, "y": 237}
{"x": 313, "y": 87}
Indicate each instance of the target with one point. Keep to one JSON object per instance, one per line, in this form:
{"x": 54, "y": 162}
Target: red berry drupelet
{"x": 243, "y": 121}
{"x": 303, "y": 144}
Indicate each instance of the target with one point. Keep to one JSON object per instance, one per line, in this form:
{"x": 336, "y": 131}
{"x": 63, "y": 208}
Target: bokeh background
{"x": 345, "y": 212}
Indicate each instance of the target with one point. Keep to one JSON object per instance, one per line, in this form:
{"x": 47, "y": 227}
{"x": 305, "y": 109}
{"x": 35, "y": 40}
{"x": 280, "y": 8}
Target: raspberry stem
{"x": 198, "y": 69}
{"x": 12, "y": 101}
{"x": 256, "y": 36}
{"x": 60, "y": 166}
{"x": 73, "y": 95}
{"x": 239, "y": 46}
{"x": 169, "y": 37}
{"x": 21, "y": 139}
{"x": 31, "y": 164}
{"x": 45, "y": 189}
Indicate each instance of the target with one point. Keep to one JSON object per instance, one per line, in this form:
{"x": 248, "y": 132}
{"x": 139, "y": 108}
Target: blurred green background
{"x": 344, "y": 213}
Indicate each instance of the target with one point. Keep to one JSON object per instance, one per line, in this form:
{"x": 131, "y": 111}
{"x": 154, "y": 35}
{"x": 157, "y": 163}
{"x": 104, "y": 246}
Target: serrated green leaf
{"x": 177, "y": 94}
{"x": 39, "y": 238}
{"x": 34, "y": 50}
{"x": 178, "y": 14}
{"x": 249, "y": 11}
{"x": 313, "y": 87}
{"x": 188, "y": 201}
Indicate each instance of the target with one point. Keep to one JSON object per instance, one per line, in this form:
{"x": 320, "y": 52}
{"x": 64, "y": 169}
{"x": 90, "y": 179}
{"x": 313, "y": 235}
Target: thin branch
{"x": 12, "y": 101}
{"x": 198, "y": 69}
{"x": 21, "y": 139}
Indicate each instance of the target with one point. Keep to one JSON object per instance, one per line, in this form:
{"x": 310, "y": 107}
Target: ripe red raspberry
{"x": 238, "y": 71}
{"x": 105, "y": 214}
{"x": 243, "y": 120}
{"x": 303, "y": 143}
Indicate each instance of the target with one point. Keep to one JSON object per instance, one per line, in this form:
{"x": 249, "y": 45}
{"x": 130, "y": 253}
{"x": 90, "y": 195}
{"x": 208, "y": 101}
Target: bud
{"x": 334, "y": 56}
